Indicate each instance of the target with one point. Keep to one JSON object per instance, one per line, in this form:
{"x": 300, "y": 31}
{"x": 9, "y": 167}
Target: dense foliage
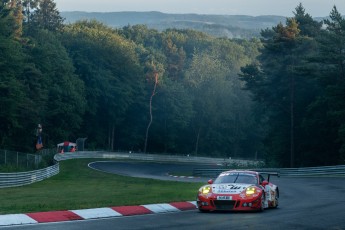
{"x": 175, "y": 91}
{"x": 298, "y": 84}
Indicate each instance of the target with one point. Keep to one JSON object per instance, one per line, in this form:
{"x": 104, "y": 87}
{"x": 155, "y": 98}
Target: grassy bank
{"x": 78, "y": 187}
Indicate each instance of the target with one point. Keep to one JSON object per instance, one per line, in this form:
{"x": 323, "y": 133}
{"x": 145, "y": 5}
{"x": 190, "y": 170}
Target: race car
{"x": 238, "y": 190}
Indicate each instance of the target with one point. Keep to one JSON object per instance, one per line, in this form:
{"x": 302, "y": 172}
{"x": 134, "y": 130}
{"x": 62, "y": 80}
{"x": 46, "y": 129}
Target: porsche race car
{"x": 239, "y": 190}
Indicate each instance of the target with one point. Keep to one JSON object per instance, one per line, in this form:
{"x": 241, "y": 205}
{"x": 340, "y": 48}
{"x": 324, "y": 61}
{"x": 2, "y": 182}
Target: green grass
{"x": 79, "y": 187}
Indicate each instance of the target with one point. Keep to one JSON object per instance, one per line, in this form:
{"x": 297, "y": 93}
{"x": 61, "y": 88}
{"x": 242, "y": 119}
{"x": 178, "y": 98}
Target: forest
{"x": 280, "y": 97}
{"x": 230, "y": 26}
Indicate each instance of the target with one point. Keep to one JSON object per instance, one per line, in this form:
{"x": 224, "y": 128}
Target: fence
{"x": 19, "y": 160}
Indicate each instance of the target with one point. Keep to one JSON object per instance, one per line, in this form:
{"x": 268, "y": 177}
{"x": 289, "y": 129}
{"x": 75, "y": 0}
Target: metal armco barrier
{"x": 24, "y": 178}
{"x": 155, "y": 157}
{"x": 331, "y": 171}
{"x": 337, "y": 170}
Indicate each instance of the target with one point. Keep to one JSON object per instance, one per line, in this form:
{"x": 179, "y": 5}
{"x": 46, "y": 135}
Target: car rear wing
{"x": 269, "y": 174}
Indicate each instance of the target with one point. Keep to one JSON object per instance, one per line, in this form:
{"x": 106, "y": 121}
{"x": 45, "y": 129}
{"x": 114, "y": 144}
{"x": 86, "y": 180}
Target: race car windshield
{"x": 236, "y": 178}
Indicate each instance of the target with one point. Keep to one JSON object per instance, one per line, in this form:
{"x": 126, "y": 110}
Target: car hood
{"x": 232, "y": 188}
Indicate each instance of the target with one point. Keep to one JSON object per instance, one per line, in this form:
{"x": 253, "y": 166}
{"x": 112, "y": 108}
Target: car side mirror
{"x": 210, "y": 181}
{"x": 264, "y": 183}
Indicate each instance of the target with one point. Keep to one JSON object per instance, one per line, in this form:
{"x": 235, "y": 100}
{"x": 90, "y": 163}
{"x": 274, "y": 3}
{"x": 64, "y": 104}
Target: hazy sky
{"x": 231, "y": 7}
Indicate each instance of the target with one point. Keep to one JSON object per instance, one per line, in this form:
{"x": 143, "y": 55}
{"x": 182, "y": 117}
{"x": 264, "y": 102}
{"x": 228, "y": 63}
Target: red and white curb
{"x": 84, "y": 214}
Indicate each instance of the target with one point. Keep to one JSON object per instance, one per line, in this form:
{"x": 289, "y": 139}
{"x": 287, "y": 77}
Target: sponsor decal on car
{"x": 224, "y": 197}
{"x": 229, "y": 188}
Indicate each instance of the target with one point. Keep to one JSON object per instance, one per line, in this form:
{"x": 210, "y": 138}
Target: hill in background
{"x": 230, "y": 26}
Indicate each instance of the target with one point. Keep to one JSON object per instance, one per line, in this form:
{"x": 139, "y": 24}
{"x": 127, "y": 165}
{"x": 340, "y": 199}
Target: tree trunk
{"x": 197, "y": 141}
{"x": 112, "y": 138}
{"x": 292, "y": 135}
{"x": 151, "y": 118}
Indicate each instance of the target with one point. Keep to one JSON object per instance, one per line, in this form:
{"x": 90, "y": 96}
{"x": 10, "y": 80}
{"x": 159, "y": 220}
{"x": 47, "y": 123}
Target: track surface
{"x": 159, "y": 171}
{"x": 305, "y": 203}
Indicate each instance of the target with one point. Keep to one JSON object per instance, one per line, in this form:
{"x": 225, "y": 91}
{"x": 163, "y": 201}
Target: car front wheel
{"x": 203, "y": 210}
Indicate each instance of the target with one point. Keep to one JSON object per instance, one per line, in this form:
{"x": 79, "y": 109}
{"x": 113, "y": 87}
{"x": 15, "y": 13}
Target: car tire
{"x": 262, "y": 206}
{"x": 276, "y": 203}
{"x": 203, "y": 210}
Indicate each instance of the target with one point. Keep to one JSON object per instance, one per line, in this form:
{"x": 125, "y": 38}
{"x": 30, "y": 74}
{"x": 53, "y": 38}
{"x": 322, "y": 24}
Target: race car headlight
{"x": 250, "y": 190}
{"x": 206, "y": 189}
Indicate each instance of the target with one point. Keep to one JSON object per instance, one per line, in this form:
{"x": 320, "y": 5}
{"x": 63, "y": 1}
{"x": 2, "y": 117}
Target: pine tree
{"x": 46, "y": 16}
{"x": 327, "y": 112}
{"x": 277, "y": 85}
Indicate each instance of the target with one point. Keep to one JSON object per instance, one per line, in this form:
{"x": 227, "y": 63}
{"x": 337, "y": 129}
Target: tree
{"x": 46, "y": 16}
{"x": 152, "y": 76}
{"x": 109, "y": 67}
{"x": 29, "y": 6}
{"x": 276, "y": 83}
{"x": 173, "y": 112}
{"x": 60, "y": 90}
{"x": 306, "y": 24}
{"x": 327, "y": 111}
{"x": 16, "y": 11}
{"x": 175, "y": 55}
{"x": 12, "y": 93}
{"x": 217, "y": 99}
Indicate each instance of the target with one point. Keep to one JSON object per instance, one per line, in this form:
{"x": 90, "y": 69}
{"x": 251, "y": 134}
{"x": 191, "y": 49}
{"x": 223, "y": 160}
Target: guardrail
{"x": 24, "y": 178}
{"x": 337, "y": 170}
{"x": 157, "y": 158}
{"x": 331, "y": 171}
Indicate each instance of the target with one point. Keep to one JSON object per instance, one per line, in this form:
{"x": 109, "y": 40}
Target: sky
{"x": 316, "y": 8}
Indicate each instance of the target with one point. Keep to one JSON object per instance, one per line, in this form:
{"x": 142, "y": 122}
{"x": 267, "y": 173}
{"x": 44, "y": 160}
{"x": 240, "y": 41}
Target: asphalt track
{"x": 305, "y": 203}
{"x": 152, "y": 170}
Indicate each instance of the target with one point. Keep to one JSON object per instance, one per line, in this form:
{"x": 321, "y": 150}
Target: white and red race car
{"x": 239, "y": 190}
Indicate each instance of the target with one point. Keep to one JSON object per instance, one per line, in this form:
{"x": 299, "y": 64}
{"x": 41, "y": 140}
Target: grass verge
{"x": 79, "y": 187}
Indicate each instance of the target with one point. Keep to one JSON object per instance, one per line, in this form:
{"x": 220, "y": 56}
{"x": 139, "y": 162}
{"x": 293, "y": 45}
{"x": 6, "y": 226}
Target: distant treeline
{"x": 229, "y": 26}
{"x": 281, "y": 97}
